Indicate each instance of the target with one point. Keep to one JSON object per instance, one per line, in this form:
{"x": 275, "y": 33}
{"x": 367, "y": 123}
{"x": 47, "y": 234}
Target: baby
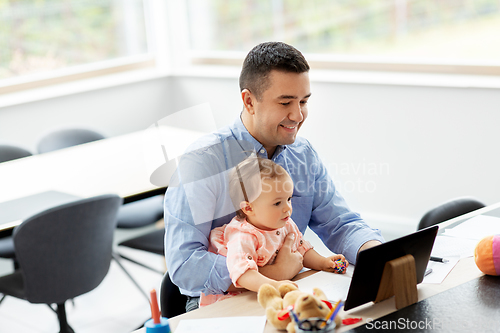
{"x": 261, "y": 191}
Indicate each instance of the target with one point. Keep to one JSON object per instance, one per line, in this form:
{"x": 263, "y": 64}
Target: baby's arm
{"x": 241, "y": 261}
{"x": 252, "y": 280}
{"x": 314, "y": 260}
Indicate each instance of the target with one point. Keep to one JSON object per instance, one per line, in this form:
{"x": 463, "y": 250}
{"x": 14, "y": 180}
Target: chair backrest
{"x": 10, "y": 152}
{"x": 172, "y": 302}
{"x": 65, "y": 138}
{"x": 449, "y": 210}
{"x": 65, "y": 251}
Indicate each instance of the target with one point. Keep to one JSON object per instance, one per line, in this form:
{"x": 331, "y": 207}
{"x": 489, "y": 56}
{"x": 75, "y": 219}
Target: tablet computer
{"x": 371, "y": 262}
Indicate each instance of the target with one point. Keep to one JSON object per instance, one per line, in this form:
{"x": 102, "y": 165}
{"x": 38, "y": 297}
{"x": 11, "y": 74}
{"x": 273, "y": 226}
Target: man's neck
{"x": 245, "y": 119}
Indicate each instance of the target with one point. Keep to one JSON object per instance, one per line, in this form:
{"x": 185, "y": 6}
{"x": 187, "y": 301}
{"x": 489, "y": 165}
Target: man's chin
{"x": 288, "y": 141}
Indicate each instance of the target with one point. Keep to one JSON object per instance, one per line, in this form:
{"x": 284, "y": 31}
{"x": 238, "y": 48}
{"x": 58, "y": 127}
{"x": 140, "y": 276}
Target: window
{"x": 52, "y": 36}
{"x": 458, "y": 35}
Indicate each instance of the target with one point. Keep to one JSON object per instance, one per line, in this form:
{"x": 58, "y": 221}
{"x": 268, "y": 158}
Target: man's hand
{"x": 369, "y": 244}
{"x": 287, "y": 263}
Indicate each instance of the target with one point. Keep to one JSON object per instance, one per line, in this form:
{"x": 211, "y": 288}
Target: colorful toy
{"x": 288, "y": 302}
{"x": 487, "y": 255}
{"x": 340, "y": 266}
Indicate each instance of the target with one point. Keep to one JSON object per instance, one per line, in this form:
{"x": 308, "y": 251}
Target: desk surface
{"x": 115, "y": 165}
{"x": 464, "y": 272}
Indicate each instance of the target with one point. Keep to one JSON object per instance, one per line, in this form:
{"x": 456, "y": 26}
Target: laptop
{"x": 371, "y": 262}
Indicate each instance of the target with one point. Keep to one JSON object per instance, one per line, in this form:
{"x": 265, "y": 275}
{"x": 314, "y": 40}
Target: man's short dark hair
{"x": 264, "y": 58}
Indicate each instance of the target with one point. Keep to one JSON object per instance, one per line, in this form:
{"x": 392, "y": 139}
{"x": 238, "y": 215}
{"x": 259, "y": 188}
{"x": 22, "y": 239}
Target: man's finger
{"x": 290, "y": 238}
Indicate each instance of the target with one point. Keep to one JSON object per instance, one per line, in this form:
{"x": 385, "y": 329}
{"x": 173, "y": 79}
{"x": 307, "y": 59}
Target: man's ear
{"x": 247, "y": 208}
{"x": 248, "y": 100}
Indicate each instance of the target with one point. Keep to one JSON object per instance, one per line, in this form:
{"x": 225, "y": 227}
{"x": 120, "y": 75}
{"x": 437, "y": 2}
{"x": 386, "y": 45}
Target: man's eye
{"x": 303, "y": 102}
{"x": 287, "y": 103}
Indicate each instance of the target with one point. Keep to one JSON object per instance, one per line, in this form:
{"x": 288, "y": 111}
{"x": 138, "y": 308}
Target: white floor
{"x": 115, "y": 306}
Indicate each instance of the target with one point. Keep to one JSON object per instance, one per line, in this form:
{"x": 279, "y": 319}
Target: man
{"x": 275, "y": 89}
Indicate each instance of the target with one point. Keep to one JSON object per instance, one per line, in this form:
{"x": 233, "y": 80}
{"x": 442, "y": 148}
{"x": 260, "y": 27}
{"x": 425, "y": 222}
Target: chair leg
{"x": 117, "y": 259}
{"x": 63, "y": 321}
{"x": 141, "y": 264}
{"x": 3, "y": 297}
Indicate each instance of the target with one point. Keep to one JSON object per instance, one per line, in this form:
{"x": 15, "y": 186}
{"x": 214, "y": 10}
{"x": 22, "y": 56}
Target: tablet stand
{"x": 399, "y": 279}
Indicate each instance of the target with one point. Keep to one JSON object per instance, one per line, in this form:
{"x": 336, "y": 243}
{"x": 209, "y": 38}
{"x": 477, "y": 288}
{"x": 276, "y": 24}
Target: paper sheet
{"x": 476, "y": 228}
{"x": 440, "y": 270}
{"x": 335, "y": 286}
{"x": 445, "y": 246}
{"x": 222, "y": 325}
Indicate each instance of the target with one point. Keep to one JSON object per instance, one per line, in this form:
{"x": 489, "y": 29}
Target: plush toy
{"x": 305, "y": 305}
{"x": 487, "y": 255}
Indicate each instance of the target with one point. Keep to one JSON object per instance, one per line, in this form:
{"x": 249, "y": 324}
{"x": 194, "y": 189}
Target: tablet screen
{"x": 371, "y": 262}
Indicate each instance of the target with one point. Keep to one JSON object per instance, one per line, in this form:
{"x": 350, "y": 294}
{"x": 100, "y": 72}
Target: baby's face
{"x": 273, "y": 207}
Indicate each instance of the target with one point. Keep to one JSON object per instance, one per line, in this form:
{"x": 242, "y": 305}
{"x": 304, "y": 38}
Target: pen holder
{"x": 162, "y": 327}
{"x": 314, "y": 325}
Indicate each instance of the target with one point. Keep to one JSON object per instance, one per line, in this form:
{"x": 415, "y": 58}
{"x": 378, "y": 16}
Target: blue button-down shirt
{"x": 197, "y": 200}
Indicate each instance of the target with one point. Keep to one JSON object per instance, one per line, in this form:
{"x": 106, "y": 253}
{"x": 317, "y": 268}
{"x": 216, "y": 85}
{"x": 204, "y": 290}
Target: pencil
{"x": 155, "y": 311}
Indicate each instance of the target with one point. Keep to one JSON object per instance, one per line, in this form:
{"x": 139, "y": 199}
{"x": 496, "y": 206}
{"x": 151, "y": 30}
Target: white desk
{"x": 246, "y": 303}
{"x": 115, "y": 165}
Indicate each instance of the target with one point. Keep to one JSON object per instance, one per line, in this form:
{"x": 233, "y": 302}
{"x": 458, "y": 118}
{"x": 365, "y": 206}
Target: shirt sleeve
{"x": 241, "y": 252}
{"x": 187, "y": 227}
{"x": 341, "y": 230}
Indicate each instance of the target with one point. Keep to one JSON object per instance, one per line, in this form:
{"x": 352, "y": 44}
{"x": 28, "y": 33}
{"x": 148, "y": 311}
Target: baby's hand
{"x": 276, "y": 284}
{"x": 336, "y": 264}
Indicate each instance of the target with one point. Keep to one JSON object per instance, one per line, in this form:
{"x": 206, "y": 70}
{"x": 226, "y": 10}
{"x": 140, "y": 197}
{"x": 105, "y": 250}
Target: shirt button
{"x": 277, "y": 233}
{"x": 277, "y": 251}
{"x": 262, "y": 151}
{"x": 249, "y": 257}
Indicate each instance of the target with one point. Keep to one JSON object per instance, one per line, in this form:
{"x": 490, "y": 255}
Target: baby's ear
{"x": 246, "y": 207}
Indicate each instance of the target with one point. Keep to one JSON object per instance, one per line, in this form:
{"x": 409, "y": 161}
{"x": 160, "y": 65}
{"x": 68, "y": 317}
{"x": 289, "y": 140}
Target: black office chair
{"x": 136, "y": 214}
{"x": 65, "y": 138}
{"x": 63, "y": 252}
{"x": 449, "y": 210}
{"x": 172, "y": 302}
{"x": 10, "y": 152}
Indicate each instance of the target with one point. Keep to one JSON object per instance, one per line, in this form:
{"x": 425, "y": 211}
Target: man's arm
{"x": 192, "y": 203}
{"x": 190, "y": 265}
{"x": 341, "y": 230}
{"x": 287, "y": 263}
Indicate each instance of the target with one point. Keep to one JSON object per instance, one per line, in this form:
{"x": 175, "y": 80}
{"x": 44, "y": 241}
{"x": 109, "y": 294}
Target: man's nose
{"x": 296, "y": 114}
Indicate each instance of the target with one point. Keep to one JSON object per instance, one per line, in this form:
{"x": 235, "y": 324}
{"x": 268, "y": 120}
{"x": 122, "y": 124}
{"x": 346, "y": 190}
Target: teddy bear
{"x": 305, "y": 305}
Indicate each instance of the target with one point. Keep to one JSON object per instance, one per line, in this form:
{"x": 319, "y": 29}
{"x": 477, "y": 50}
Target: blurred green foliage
{"x": 344, "y": 26}
{"x": 42, "y": 35}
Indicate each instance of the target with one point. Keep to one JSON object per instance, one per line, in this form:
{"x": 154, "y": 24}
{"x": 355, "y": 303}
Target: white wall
{"x": 111, "y": 111}
{"x": 395, "y": 151}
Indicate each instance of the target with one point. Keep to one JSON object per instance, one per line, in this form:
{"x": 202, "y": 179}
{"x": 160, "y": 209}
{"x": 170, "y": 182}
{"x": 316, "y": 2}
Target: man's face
{"x": 281, "y": 110}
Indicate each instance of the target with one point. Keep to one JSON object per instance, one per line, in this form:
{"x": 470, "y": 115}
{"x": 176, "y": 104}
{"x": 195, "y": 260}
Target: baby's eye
{"x": 289, "y": 199}
{"x": 278, "y": 203}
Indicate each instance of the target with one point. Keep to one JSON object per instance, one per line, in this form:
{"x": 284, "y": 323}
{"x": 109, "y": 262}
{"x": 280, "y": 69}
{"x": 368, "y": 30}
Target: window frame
{"x": 357, "y": 63}
{"x": 156, "y": 58}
